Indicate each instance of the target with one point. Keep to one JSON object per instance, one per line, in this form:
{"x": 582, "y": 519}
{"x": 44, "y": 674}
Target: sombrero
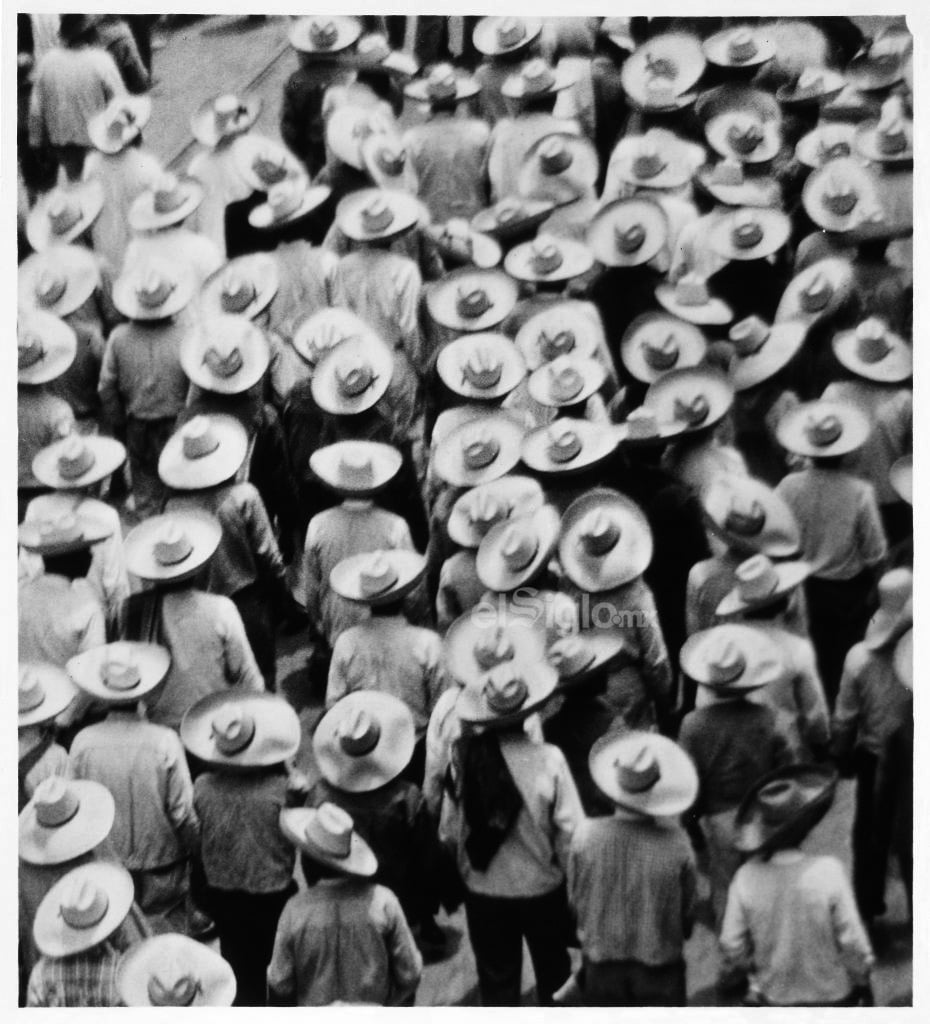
{"x": 508, "y": 693}
{"x": 656, "y": 343}
{"x": 264, "y": 162}
{"x": 567, "y": 380}
{"x": 243, "y": 287}
{"x": 226, "y": 354}
{"x": 730, "y": 183}
{"x": 874, "y": 352}
{"x": 62, "y": 534}
{"x": 817, "y": 291}
{"x": 749, "y": 515}
{"x": 64, "y": 214}
{"x": 886, "y": 141}
{"x": 353, "y": 376}
{"x": 444, "y": 84}
{"x": 560, "y": 167}
{"x": 580, "y": 656}
{"x": 373, "y": 52}
{"x": 153, "y": 290}
{"x": 171, "y": 547}
{"x": 480, "y": 508}
{"x": 470, "y": 300}
{"x": 173, "y": 970}
{"x": 356, "y": 468}
{"x": 741, "y": 135}
{"x": 568, "y": 445}
{"x": 324, "y": 35}
{"x": 882, "y": 64}
{"x": 496, "y": 36}
{"x": 761, "y": 582}
{"x": 327, "y": 834}
{"x": 386, "y": 161}
{"x": 479, "y": 450}
{"x": 474, "y": 644}
{"x": 690, "y": 299}
{"x": 119, "y": 123}
{"x": 512, "y": 217}
{"x": 761, "y": 349}
{"x": 168, "y": 202}
{"x": 481, "y": 366}
{"x": 241, "y": 730}
{"x": 59, "y": 280}
{"x": 461, "y": 245}
{"x": 822, "y": 428}
{"x": 627, "y": 232}
{"x": 364, "y": 741}
{"x": 288, "y": 200}
{"x": 783, "y": 806}
{"x": 642, "y": 428}
{"x": 741, "y": 46}
{"x": 121, "y": 672}
{"x": 75, "y": 462}
{"x": 563, "y": 328}
{"x": 698, "y": 398}
{"x": 355, "y": 123}
{"x": 65, "y": 819}
{"x": 841, "y": 195}
{"x": 224, "y": 117}
{"x": 46, "y": 346}
{"x": 659, "y": 73}
{"x": 644, "y": 772}
{"x": 813, "y": 85}
{"x": 537, "y": 79}
{"x": 44, "y": 692}
{"x": 731, "y": 658}
{"x": 548, "y": 259}
{"x": 901, "y": 476}
{"x": 206, "y": 451}
{"x": 749, "y": 233}
{"x": 830, "y": 140}
{"x": 375, "y": 214}
{"x": 658, "y": 159}
{"x": 515, "y": 551}
{"x": 377, "y": 577}
{"x": 605, "y": 541}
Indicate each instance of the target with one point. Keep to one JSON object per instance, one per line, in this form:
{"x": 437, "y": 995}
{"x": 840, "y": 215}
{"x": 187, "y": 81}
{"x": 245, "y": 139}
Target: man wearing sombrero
{"x": 504, "y": 43}
{"x": 44, "y": 693}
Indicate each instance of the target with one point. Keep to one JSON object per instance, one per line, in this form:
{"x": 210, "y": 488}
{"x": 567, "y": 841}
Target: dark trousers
{"x": 145, "y": 440}
{"x": 871, "y": 837}
{"x": 247, "y": 923}
{"x": 497, "y": 926}
{"x": 257, "y": 615}
{"x": 631, "y": 983}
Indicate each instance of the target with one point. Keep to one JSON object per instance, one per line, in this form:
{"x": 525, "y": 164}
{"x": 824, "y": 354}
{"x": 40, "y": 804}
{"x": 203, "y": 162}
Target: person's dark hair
{"x": 314, "y": 871}
{"x": 768, "y": 611}
{"x": 539, "y": 105}
{"x": 388, "y": 609}
{"x": 75, "y": 29}
{"x": 829, "y": 461}
{"x": 74, "y": 564}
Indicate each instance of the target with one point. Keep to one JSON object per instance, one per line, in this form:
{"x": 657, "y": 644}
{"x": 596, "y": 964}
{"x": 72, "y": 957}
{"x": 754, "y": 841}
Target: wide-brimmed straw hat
{"x": 356, "y": 468}
{"x": 850, "y": 106}
{"x": 568, "y": 445}
{"x": 512, "y": 217}
{"x": 119, "y": 123}
{"x": 44, "y": 692}
{"x": 364, "y": 741}
{"x": 741, "y": 46}
{"x": 660, "y": 72}
{"x": 479, "y": 450}
{"x": 476, "y": 644}
{"x": 173, "y": 970}
{"x": 605, "y": 541}
{"x": 875, "y": 352}
{"x": 558, "y": 330}
{"x": 536, "y": 79}
{"x": 889, "y": 140}
{"x": 243, "y": 287}
{"x": 690, "y": 299}
{"x": 743, "y": 136}
{"x": 658, "y": 159}
{"x": 656, "y": 343}
{"x": 495, "y": 36}
{"x": 783, "y": 807}
{"x": 173, "y": 546}
{"x": 760, "y": 350}
{"x": 481, "y": 366}
{"x": 749, "y": 233}
{"x": 901, "y": 477}
{"x": 324, "y": 35}
{"x": 443, "y": 84}
{"x": 226, "y": 354}
{"x": 375, "y": 214}
{"x": 64, "y": 214}
{"x": 62, "y": 533}
{"x": 895, "y": 614}
{"x": 813, "y": 85}
{"x": 830, "y": 140}
{"x": 761, "y": 582}
{"x": 479, "y": 509}
{"x": 373, "y": 52}
{"x": 353, "y": 376}
{"x": 823, "y": 428}
{"x": 377, "y": 577}
{"x": 460, "y": 245}
{"x": 567, "y": 380}
{"x": 121, "y": 672}
{"x": 206, "y": 451}
{"x": 728, "y": 182}
{"x": 386, "y": 160}
{"x": 58, "y": 280}
{"x": 471, "y": 300}
{"x": 560, "y": 167}
{"x": 882, "y": 64}
{"x": 507, "y": 694}
{"x": 241, "y": 730}
{"x": 627, "y": 232}
{"x": 168, "y": 202}
{"x": 842, "y": 195}
{"x": 46, "y": 346}
{"x": 153, "y": 290}
{"x": 579, "y": 656}
{"x": 327, "y": 328}
{"x": 697, "y": 398}
{"x": 548, "y": 259}
{"x": 65, "y": 818}
{"x": 82, "y": 909}
{"x": 288, "y": 200}
{"x": 642, "y": 428}
{"x": 264, "y": 162}
{"x": 223, "y": 117}
{"x": 817, "y": 291}
{"x": 731, "y": 658}
{"x": 644, "y": 772}
{"x": 346, "y": 133}
{"x": 749, "y": 515}
{"x": 515, "y": 551}
{"x": 904, "y": 660}
{"x": 327, "y": 835}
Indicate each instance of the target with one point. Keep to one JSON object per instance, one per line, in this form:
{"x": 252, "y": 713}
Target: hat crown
{"x": 895, "y": 590}
{"x": 172, "y": 545}
{"x": 227, "y": 110}
{"x": 356, "y": 468}
{"x": 55, "y": 801}
{"x": 519, "y": 546}
{"x": 661, "y": 353}
{"x": 30, "y": 349}
{"x": 872, "y": 340}
{"x": 756, "y": 578}
{"x": 554, "y": 156}
{"x": 330, "y": 831}
{"x": 728, "y": 172}
{"x": 175, "y": 986}
{"x": 780, "y": 800}
{"x": 510, "y": 31}
{"x": 31, "y": 690}
{"x": 493, "y": 649}
{"x": 391, "y": 157}
{"x": 816, "y": 293}
{"x": 50, "y": 286}
{"x": 725, "y": 661}
{"x": 198, "y": 438}
{"x": 59, "y": 529}
{"x": 892, "y": 136}
{"x": 154, "y": 290}
{"x": 285, "y": 197}
{"x": 746, "y": 232}
{"x": 564, "y": 443}
{"x": 570, "y": 655}
{"x": 599, "y": 533}
{"x": 377, "y": 575}
{"x": 810, "y": 80}
{"x": 744, "y": 518}
{"x": 749, "y": 335}
{"x": 63, "y": 213}
{"x": 168, "y": 194}
{"x": 551, "y": 346}
{"x": 630, "y": 239}
{"x": 565, "y": 379}
{"x": 505, "y": 689}
{"x": 691, "y": 290}
{"x": 119, "y": 670}
{"x": 648, "y": 162}
{"x": 823, "y": 429}
{"x": 839, "y": 195}
{"x": 224, "y": 358}
{"x": 237, "y": 292}
{"x": 377, "y": 215}
{"x": 354, "y": 376}
{"x": 745, "y": 133}
{"x": 270, "y": 166}
{"x": 479, "y": 450}
{"x": 537, "y": 76}
{"x": 639, "y": 771}
{"x": 441, "y": 83}
{"x": 484, "y": 510}
{"x": 323, "y": 34}
{"x": 232, "y": 729}
{"x": 661, "y": 65}
{"x": 75, "y": 458}
{"x": 473, "y": 303}
{"x": 83, "y": 904}
{"x": 483, "y": 368}
{"x": 642, "y": 423}
{"x": 359, "y": 733}
{"x": 507, "y": 210}
{"x": 742, "y": 45}
{"x": 832, "y": 149}
{"x": 545, "y": 255}
{"x": 692, "y": 411}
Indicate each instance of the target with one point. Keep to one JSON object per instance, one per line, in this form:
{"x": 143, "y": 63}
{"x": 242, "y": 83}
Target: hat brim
{"x": 406, "y": 211}
{"x": 712, "y": 384}
{"x": 465, "y": 89}
{"x": 779, "y": 536}
{"x": 449, "y": 463}
{"x": 489, "y": 563}
{"x": 514, "y": 87}
{"x": 560, "y": 318}
{"x": 577, "y": 259}
{"x": 259, "y": 269}
{"x": 248, "y": 147}
{"x": 598, "y": 442}
{"x": 59, "y": 345}
{"x": 277, "y": 730}
{"x": 144, "y": 217}
{"x": 783, "y": 343}
{"x": 345, "y": 578}
{"x": 360, "y": 861}
{"x": 348, "y": 32}
{"x": 108, "y": 454}
{"x": 442, "y": 297}
{"x": 141, "y": 109}
{"x": 855, "y": 431}
{"x": 682, "y": 49}
{"x": 605, "y": 646}
{"x": 485, "y": 251}
{"x": 385, "y": 464}
{"x": 55, "y": 938}
{"x": 86, "y": 671}
{"x": 601, "y": 233}
{"x": 90, "y": 825}
{"x": 532, "y": 212}
{"x": 390, "y": 755}
{"x": 808, "y": 149}
{"x": 263, "y": 217}
{"x": 205, "y": 130}
{"x": 58, "y": 693}
{"x": 673, "y": 793}
{"x": 757, "y": 191}
{"x": 454, "y": 356}
{"x": 790, "y": 575}
{"x": 904, "y": 660}
{"x": 593, "y": 376}
{"x": 756, "y": 648}
{"x": 486, "y": 41}
{"x": 39, "y": 232}
{"x": 713, "y": 313}
{"x": 674, "y": 174}
{"x": 627, "y": 560}
{"x": 789, "y": 96}
{"x": 717, "y": 50}
{"x": 692, "y": 345}
{"x": 203, "y": 532}
{"x": 215, "y": 978}
{"x": 896, "y": 366}
{"x": 520, "y": 495}
{"x": 521, "y": 630}
{"x": 753, "y": 834}
{"x": 127, "y": 302}
{"x": 324, "y": 384}
{"x": 776, "y": 230}
{"x": 853, "y": 173}
{"x": 866, "y": 144}
{"x": 901, "y": 477}
{"x": 77, "y": 265}
{"x": 253, "y": 347}
{"x": 541, "y": 680}
{"x": 92, "y": 532}
{"x": 883, "y": 628}
{"x": 183, "y": 474}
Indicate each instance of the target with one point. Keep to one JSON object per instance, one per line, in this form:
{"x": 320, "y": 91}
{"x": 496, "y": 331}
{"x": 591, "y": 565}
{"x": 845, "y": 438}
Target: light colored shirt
{"x": 223, "y": 184}
{"x": 143, "y": 765}
{"x": 872, "y": 703}
{"x": 53, "y": 760}
{"x": 633, "y": 886}
{"x": 511, "y": 141}
{"x": 177, "y": 246}
{"x": 84, "y": 979}
{"x": 841, "y": 530}
{"x": 209, "y": 653}
{"x": 448, "y": 154}
{"x": 792, "y": 921}
{"x": 344, "y": 940}
{"x": 389, "y": 655}
{"x": 305, "y": 278}
{"x": 58, "y": 618}
{"x": 459, "y": 588}
{"x": 41, "y": 419}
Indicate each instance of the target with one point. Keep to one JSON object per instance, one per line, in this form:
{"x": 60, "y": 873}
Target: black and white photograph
{"x": 465, "y": 537}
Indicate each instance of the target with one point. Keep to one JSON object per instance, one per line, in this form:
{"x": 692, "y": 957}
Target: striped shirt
{"x": 85, "y": 979}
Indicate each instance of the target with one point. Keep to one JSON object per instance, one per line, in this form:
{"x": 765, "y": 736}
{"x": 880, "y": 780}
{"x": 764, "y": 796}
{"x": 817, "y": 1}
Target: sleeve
{"x": 655, "y": 668}
{"x": 851, "y": 938}
{"x": 437, "y": 755}
{"x": 447, "y": 607}
{"x": 408, "y": 322}
{"x": 261, "y": 536}
{"x": 578, "y": 891}
{"x": 405, "y": 962}
{"x": 37, "y": 126}
{"x": 735, "y": 936}
{"x": 567, "y": 813}
{"x": 111, "y": 401}
{"x": 873, "y": 546}
{"x": 848, "y": 706}
{"x": 110, "y": 78}
{"x": 337, "y": 683}
{"x": 39, "y": 993}
{"x": 693, "y": 622}
{"x": 126, "y": 54}
{"x": 313, "y": 582}
{"x": 689, "y": 893}
{"x": 282, "y": 971}
{"x": 94, "y": 633}
{"x": 179, "y": 794}
{"x": 811, "y": 702}
{"x": 435, "y": 679}
{"x": 241, "y": 668}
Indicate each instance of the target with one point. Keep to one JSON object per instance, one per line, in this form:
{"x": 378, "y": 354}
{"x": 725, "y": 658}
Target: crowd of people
{"x": 550, "y": 383}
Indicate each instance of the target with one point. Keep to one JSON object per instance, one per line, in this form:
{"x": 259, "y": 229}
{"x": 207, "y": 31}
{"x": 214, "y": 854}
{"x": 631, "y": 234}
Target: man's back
{"x": 58, "y": 618}
{"x": 448, "y": 154}
{"x": 70, "y": 87}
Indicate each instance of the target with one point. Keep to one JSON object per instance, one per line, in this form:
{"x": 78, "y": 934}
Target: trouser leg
{"x": 496, "y": 940}
{"x": 545, "y": 925}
